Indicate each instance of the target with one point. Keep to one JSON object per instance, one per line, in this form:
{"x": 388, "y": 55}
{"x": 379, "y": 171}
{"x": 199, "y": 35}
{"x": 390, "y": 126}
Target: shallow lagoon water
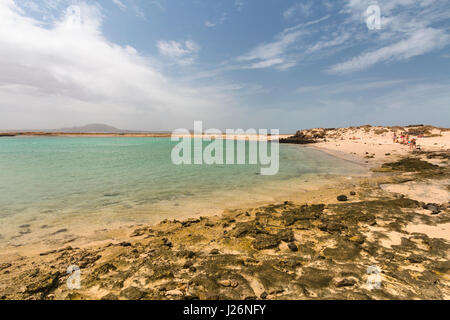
{"x": 88, "y": 183}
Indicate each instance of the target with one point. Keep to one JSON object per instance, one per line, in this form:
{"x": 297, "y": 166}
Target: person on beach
{"x": 413, "y": 144}
{"x": 395, "y": 140}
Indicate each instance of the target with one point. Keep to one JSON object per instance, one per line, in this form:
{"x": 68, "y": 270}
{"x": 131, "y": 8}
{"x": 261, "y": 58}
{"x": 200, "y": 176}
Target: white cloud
{"x": 306, "y": 24}
{"x": 352, "y": 86}
{"x": 176, "y": 49}
{"x": 420, "y": 42}
{"x": 120, "y": 4}
{"x": 272, "y": 49}
{"x": 338, "y": 40}
{"x": 284, "y": 52}
{"x": 272, "y": 53}
{"x": 134, "y": 7}
{"x": 222, "y": 19}
{"x": 266, "y": 63}
{"x": 409, "y": 28}
{"x": 182, "y": 53}
{"x": 69, "y": 74}
{"x": 303, "y": 8}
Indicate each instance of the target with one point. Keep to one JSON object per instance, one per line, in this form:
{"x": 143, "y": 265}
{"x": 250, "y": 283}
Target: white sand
{"x": 439, "y": 231}
{"x": 360, "y": 143}
{"x": 428, "y": 192}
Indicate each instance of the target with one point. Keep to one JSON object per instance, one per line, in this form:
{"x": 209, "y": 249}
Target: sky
{"x": 275, "y": 64}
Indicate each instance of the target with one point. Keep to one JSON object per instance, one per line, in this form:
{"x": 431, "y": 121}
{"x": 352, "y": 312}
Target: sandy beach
{"x": 316, "y": 246}
{"x": 375, "y": 144}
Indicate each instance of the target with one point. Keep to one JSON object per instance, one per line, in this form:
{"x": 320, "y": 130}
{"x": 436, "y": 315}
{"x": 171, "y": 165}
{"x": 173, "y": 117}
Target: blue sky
{"x": 160, "y": 65}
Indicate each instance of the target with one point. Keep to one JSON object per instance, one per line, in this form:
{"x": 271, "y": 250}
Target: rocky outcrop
{"x": 326, "y": 258}
{"x": 299, "y": 138}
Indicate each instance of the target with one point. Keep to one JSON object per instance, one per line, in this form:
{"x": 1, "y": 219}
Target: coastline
{"x": 341, "y": 155}
{"x": 306, "y": 188}
{"x": 320, "y": 246}
{"x": 132, "y": 135}
{"x": 87, "y": 135}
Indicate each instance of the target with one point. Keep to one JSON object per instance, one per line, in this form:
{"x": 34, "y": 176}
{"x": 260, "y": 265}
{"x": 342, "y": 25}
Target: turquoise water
{"x": 60, "y": 181}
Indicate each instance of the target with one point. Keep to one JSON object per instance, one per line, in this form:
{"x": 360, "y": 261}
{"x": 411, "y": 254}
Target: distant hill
{"x": 92, "y": 128}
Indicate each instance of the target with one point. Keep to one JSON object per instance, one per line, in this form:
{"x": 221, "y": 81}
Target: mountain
{"x": 92, "y": 128}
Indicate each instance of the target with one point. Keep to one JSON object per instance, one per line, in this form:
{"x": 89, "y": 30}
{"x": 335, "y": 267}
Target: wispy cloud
{"x": 182, "y": 53}
{"x": 222, "y": 19}
{"x": 304, "y": 9}
{"x": 352, "y": 86}
{"x": 418, "y": 43}
{"x": 120, "y": 4}
{"x": 409, "y": 29}
{"x": 339, "y": 39}
{"x": 133, "y": 6}
{"x": 283, "y": 52}
{"x": 272, "y": 53}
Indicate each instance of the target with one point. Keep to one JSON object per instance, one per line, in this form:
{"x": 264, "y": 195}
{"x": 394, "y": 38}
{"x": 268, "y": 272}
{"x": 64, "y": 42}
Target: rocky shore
{"x": 324, "y": 249}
